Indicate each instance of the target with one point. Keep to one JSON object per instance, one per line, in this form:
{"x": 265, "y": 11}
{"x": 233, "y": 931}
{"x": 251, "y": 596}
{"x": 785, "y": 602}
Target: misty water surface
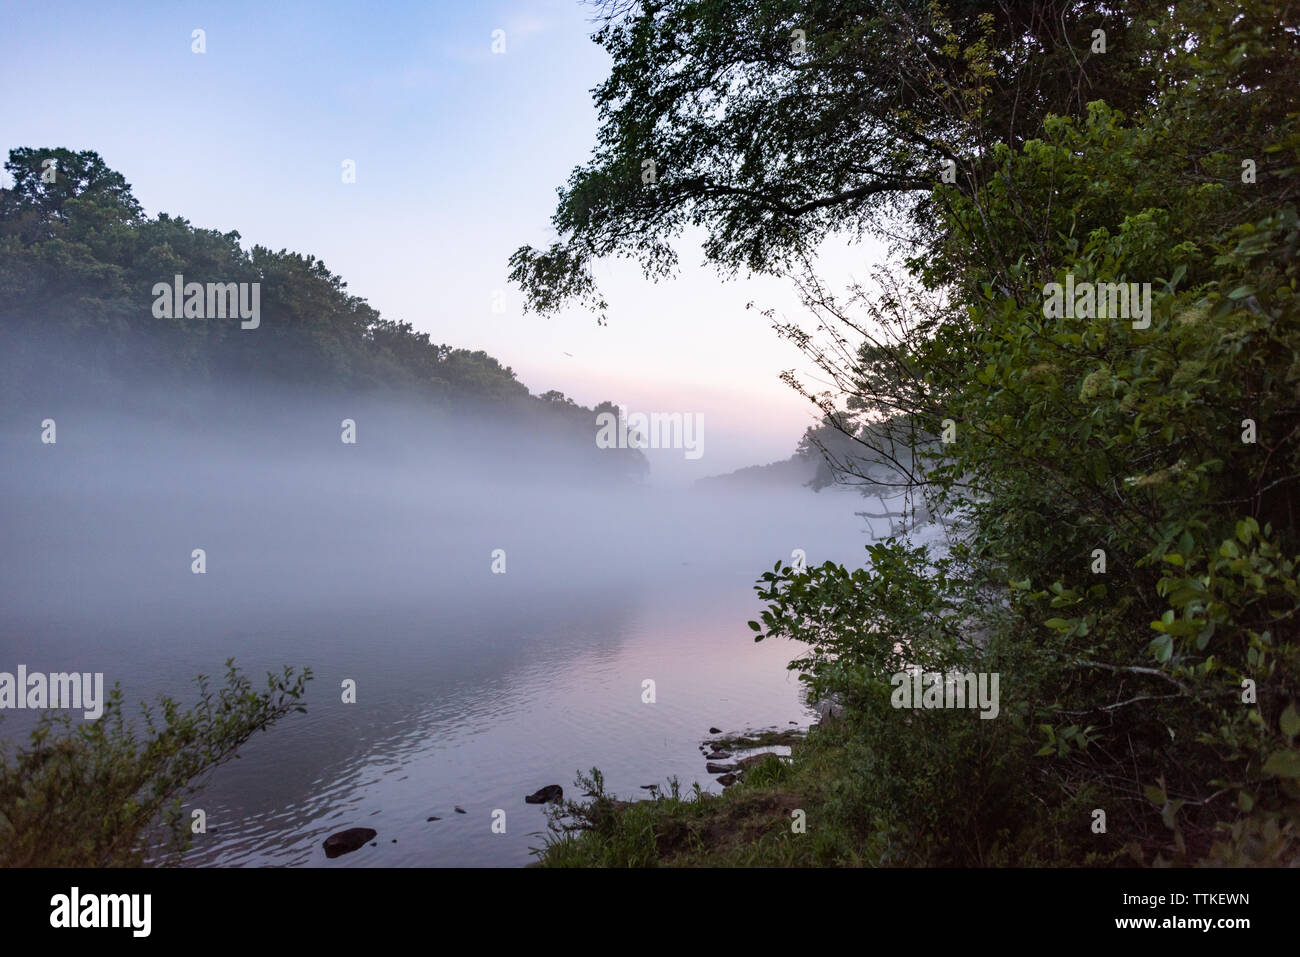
{"x": 373, "y": 562}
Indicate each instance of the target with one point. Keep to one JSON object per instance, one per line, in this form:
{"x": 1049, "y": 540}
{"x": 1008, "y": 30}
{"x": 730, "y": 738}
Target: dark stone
{"x": 345, "y": 842}
{"x": 717, "y": 756}
{"x": 719, "y": 768}
{"x": 649, "y": 787}
{"x": 727, "y": 780}
{"x": 461, "y": 810}
{"x": 552, "y": 792}
{"x": 433, "y": 819}
{"x": 715, "y": 731}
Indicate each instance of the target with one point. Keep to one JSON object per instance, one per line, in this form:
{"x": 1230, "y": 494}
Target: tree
{"x": 774, "y": 125}
{"x": 51, "y": 185}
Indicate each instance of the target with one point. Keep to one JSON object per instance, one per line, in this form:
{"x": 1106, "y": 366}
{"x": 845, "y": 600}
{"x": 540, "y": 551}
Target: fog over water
{"x": 374, "y": 562}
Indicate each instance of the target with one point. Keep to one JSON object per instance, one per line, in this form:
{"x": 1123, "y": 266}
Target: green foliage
{"x": 108, "y": 793}
{"x": 1090, "y": 434}
{"x": 934, "y": 792}
{"x": 606, "y": 833}
{"x": 1086, "y": 436}
{"x": 863, "y": 625}
{"x": 1122, "y": 487}
{"x": 770, "y": 146}
{"x": 769, "y": 772}
{"x": 79, "y": 261}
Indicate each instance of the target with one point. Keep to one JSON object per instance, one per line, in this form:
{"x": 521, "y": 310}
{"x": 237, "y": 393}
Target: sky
{"x": 458, "y": 152}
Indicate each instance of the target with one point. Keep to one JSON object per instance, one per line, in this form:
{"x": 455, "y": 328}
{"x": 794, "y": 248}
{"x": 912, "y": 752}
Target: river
{"x": 473, "y": 688}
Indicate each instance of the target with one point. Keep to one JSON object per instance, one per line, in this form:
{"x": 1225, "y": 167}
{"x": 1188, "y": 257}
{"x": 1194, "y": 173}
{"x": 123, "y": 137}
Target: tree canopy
{"x": 79, "y": 260}
{"x": 1119, "y": 480}
{"x": 773, "y": 125}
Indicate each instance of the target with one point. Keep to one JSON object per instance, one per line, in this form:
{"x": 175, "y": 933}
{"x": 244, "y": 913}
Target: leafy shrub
{"x": 105, "y": 794}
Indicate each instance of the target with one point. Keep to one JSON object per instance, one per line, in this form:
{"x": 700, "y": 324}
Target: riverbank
{"x": 871, "y": 788}
{"x": 773, "y": 815}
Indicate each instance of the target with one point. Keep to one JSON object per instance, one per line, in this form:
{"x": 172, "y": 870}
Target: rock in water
{"x": 552, "y": 792}
{"x": 719, "y": 768}
{"x": 727, "y": 780}
{"x": 715, "y": 731}
{"x": 345, "y": 842}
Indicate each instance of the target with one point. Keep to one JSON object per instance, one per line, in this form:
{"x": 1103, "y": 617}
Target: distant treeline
{"x": 79, "y": 263}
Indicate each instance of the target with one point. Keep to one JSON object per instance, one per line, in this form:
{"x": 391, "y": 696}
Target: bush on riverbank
{"x": 109, "y": 792}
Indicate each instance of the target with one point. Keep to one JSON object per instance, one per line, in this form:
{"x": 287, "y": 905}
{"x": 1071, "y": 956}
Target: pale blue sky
{"x": 458, "y": 154}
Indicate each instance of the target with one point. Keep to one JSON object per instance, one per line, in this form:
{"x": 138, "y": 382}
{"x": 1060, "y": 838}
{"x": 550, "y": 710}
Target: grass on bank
{"x": 749, "y": 824}
{"x": 928, "y": 792}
